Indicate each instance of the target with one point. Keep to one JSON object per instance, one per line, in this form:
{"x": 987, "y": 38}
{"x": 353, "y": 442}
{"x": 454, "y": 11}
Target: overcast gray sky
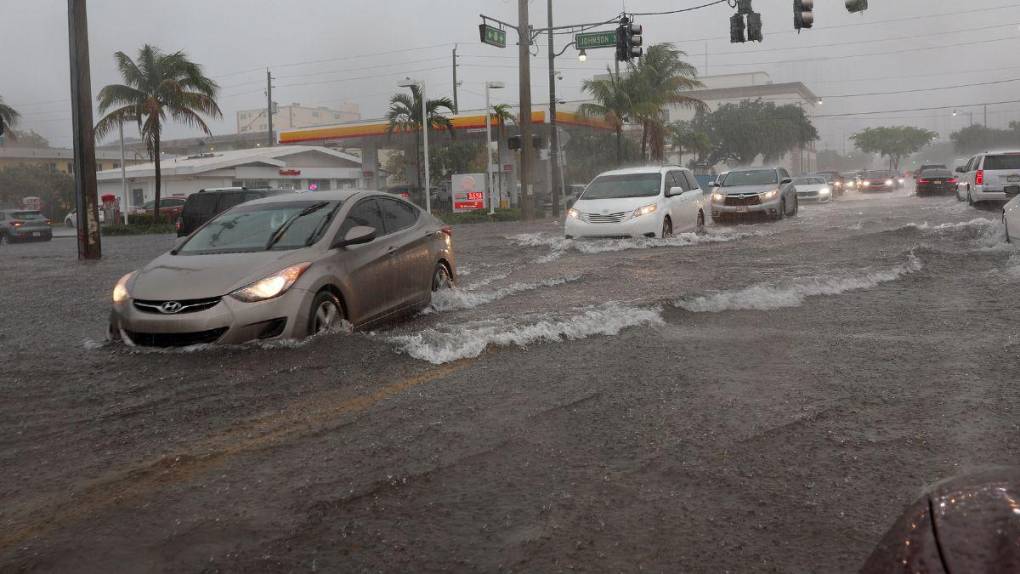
{"x": 328, "y": 51}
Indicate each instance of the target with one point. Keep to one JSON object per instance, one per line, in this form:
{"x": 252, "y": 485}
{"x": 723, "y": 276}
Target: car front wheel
{"x": 700, "y": 227}
{"x": 327, "y": 313}
{"x": 667, "y": 228}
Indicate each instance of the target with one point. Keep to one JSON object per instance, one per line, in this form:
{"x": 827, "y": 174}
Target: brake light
{"x": 979, "y": 177}
{"x": 922, "y": 181}
{"x": 17, "y": 223}
{"x": 953, "y": 180}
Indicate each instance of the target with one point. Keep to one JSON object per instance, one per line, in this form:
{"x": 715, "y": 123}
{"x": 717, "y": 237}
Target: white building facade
{"x": 311, "y": 168}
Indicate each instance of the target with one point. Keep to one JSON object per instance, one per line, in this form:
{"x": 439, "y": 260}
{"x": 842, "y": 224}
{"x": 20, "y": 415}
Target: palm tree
{"x": 157, "y": 86}
{"x": 660, "y": 81}
{"x": 404, "y": 116}
{"x": 683, "y": 136}
{"x": 8, "y": 119}
{"x": 614, "y": 102}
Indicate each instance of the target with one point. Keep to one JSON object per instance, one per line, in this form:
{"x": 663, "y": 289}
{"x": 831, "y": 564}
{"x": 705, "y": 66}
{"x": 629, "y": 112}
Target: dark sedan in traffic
{"x": 936, "y": 180}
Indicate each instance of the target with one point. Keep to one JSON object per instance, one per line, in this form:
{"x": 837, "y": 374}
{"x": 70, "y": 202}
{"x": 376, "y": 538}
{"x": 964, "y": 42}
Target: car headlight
{"x": 850, "y": 184}
{"x": 768, "y": 195}
{"x": 888, "y": 182}
{"x": 901, "y": 180}
{"x": 120, "y": 290}
{"x": 573, "y": 213}
{"x": 865, "y": 183}
{"x": 645, "y": 209}
{"x": 718, "y": 197}
{"x": 825, "y": 191}
{"x": 272, "y": 286}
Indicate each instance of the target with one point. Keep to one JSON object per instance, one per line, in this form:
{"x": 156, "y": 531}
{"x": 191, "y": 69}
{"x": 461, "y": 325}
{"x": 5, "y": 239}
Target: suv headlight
{"x": 825, "y": 191}
{"x": 120, "y": 290}
{"x": 573, "y": 213}
{"x": 645, "y": 210}
{"x": 769, "y": 195}
{"x": 888, "y": 182}
{"x": 272, "y": 286}
{"x": 718, "y": 197}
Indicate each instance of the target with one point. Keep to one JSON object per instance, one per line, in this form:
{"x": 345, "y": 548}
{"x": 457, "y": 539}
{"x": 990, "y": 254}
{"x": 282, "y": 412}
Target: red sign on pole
{"x": 468, "y": 192}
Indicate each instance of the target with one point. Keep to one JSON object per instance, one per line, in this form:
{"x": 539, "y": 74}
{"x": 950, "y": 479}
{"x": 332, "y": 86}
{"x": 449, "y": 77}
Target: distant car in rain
{"x": 205, "y": 204}
{"x": 169, "y": 207}
{"x": 764, "y": 191}
{"x": 927, "y": 166}
{"x": 71, "y": 219}
{"x": 1011, "y": 220}
{"x": 17, "y": 225}
{"x": 835, "y": 181}
{"x": 990, "y": 177}
{"x": 851, "y": 179}
{"x": 935, "y": 180}
{"x": 638, "y": 202}
{"x": 813, "y": 188}
{"x": 878, "y": 180}
{"x": 284, "y": 267}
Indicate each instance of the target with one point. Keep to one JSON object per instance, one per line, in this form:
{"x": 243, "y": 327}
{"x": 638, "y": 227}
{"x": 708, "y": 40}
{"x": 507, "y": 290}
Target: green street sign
{"x": 590, "y": 40}
{"x": 492, "y": 36}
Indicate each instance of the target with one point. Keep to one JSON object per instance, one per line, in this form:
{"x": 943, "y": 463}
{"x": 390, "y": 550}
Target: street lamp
{"x": 409, "y": 83}
{"x": 488, "y": 140}
{"x": 582, "y": 56}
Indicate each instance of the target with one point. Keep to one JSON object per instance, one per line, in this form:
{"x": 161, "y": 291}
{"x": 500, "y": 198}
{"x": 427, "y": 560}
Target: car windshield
{"x": 877, "y": 175}
{"x": 936, "y": 173}
{"x": 27, "y": 215}
{"x": 1005, "y": 161}
{"x": 750, "y": 177}
{"x": 809, "y": 181}
{"x": 624, "y": 185}
{"x": 262, "y": 227}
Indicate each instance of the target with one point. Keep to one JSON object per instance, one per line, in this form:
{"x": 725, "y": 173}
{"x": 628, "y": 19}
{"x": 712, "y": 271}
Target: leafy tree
{"x": 590, "y": 151}
{"x": 978, "y": 138}
{"x": 56, "y": 189}
{"x": 894, "y": 142}
{"x": 404, "y": 116}
{"x": 684, "y": 137}
{"x": 832, "y": 160}
{"x": 157, "y": 86}
{"x": 614, "y": 97}
{"x": 660, "y": 80}
{"x": 457, "y": 157}
{"x": 742, "y": 132}
{"x": 8, "y": 117}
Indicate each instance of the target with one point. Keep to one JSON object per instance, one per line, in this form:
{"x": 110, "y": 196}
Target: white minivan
{"x": 990, "y": 176}
{"x": 654, "y": 201}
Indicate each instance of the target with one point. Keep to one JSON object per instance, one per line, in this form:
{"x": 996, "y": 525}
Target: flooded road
{"x": 763, "y": 397}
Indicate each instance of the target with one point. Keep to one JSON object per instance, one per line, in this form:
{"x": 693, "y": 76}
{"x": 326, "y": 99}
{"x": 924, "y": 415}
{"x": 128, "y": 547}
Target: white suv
{"x": 990, "y": 176}
{"x": 638, "y": 202}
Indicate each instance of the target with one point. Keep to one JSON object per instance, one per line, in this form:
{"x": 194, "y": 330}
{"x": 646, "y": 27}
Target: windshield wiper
{"x": 279, "y": 233}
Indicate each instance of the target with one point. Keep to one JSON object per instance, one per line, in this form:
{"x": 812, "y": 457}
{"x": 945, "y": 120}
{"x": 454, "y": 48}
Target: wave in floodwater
{"x": 559, "y": 245}
{"x": 456, "y": 299}
{"x": 469, "y": 340}
{"x": 343, "y": 328}
{"x": 767, "y": 297}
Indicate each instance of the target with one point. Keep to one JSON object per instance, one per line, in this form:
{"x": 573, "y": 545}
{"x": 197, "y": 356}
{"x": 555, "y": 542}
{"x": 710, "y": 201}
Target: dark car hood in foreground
{"x": 966, "y": 524}
{"x": 182, "y": 277}
{"x": 746, "y": 189}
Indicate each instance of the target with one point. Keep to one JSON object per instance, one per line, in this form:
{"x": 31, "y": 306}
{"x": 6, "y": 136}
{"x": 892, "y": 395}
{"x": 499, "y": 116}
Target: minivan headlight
{"x": 645, "y": 209}
{"x": 769, "y": 195}
{"x": 272, "y": 286}
{"x": 120, "y": 290}
{"x": 573, "y": 213}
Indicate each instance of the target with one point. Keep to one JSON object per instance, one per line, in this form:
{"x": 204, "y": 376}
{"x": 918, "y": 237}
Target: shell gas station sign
{"x": 469, "y": 192}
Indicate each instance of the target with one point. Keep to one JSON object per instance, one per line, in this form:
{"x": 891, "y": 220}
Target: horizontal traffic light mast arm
{"x": 567, "y": 28}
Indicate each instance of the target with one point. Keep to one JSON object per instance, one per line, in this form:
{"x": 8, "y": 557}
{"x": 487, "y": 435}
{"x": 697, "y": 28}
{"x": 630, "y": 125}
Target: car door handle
{"x": 391, "y": 250}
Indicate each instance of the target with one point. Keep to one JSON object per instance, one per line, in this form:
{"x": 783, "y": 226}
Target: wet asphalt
{"x": 764, "y": 398}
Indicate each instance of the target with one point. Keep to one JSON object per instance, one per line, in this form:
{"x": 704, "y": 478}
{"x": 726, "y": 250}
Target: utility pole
{"x": 554, "y": 138}
{"x": 456, "y": 102}
{"x": 123, "y": 171}
{"x": 269, "y": 106}
{"x": 527, "y": 147}
{"x": 986, "y": 115}
{"x": 85, "y": 187}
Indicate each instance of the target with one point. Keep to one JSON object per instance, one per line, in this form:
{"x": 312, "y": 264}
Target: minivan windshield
{"x": 1006, "y": 161}
{"x": 263, "y": 227}
{"x": 750, "y": 177}
{"x": 628, "y": 185}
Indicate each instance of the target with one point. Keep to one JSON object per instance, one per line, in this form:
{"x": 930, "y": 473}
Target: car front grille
{"x": 175, "y": 339}
{"x": 185, "y": 306}
{"x": 808, "y": 193}
{"x": 604, "y": 217}
{"x": 739, "y": 200}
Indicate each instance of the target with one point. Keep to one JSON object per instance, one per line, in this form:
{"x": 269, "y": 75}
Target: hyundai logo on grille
{"x": 171, "y": 307}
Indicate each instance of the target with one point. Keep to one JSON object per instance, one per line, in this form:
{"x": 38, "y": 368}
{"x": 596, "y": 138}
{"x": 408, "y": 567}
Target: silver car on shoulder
{"x": 287, "y": 267}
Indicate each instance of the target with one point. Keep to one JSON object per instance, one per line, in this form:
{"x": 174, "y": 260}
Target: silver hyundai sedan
{"x": 288, "y": 266}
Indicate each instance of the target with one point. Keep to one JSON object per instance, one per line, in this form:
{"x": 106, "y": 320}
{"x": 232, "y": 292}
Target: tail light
{"x": 923, "y": 181}
{"x": 979, "y": 177}
{"x": 953, "y": 180}
{"x": 17, "y": 223}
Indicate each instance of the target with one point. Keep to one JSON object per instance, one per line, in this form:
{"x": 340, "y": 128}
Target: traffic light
{"x": 737, "y": 29}
{"x": 629, "y": 41}
{"x": 803, "y": 15}
{"x": 856, "y": 5}
{"x": 754, "y": 33}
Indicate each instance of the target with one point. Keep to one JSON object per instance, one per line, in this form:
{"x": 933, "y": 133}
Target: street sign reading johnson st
{"x": 590, "y": 40}
{"x": 492, "y": 36}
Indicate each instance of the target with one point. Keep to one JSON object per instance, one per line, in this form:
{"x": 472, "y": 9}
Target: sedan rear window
{"x": 1009, "y": 161}
{"x": 629, "y": 185}
{"x": 945, "y": 173}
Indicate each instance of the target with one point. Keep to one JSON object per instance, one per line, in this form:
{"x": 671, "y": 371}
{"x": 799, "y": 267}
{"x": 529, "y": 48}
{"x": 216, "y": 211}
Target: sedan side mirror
{"x": 675, "y": 191}
{"x": 357, "y": 236}
{"x": 786, "y": 180}
{"x": 713, "y": 183}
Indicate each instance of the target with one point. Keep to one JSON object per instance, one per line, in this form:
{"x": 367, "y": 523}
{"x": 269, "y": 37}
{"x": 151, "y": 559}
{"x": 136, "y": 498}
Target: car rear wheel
{"x": 441, "y": 278}
{"x": 796, "y": 206}
{"x": 1006, "y": 225}
{"x": 667, "y": 228}
{"x": 327, "y": 313}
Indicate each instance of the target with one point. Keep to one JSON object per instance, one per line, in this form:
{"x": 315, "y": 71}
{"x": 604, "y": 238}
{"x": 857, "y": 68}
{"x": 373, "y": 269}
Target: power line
{"x": 691, "y": 9}
{"x": 928, "y": 109}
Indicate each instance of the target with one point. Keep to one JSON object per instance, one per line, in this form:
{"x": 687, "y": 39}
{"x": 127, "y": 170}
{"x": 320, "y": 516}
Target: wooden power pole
{"x": 85, "y": 187}
{"x": 527, "y": 147}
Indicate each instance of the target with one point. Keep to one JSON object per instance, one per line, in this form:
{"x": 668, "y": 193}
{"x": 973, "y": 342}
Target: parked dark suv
{"x": 208, "y": 203}
{"x": 24, "y": 225}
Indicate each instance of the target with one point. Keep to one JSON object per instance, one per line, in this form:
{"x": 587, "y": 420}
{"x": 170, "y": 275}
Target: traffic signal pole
{"x": 554, "y": 138}
{"x": 85, "y": 186}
